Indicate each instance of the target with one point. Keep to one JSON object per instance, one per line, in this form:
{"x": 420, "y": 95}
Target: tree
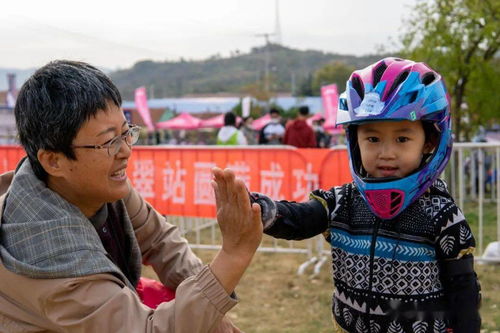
{"x": 336, "y": 72}
{"x": 459, "y": 38}
{"x": 482, "y": 94}
{"x": 305, "y": 86}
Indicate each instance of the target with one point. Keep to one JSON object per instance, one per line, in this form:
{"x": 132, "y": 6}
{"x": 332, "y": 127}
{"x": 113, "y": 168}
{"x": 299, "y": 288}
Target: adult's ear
{"x": 52, "y": 162}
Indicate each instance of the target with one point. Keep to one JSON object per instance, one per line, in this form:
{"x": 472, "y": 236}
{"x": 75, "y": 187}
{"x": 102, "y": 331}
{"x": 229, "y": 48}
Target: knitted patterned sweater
{"x": 396, "y": 275}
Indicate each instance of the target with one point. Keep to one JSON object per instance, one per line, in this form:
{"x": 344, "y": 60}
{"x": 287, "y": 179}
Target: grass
{"x": 489, "y": 222}
{"x": 275, "y": 299}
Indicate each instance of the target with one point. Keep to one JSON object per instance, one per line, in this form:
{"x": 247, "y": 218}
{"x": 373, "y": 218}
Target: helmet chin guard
{"x": 395, "y": 89}
{"x": 386, "y": 203}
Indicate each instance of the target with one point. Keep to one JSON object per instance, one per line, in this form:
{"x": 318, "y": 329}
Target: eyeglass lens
{"x": 130, "y": 137}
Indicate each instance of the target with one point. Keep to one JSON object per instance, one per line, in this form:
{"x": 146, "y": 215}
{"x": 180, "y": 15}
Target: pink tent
{"x": 261, "y": 122}
{"x": 182, "y": 121}
{"x": 216, "y": 122}
{"x": 329, "y": 124}
{"x": 317, "y": 116}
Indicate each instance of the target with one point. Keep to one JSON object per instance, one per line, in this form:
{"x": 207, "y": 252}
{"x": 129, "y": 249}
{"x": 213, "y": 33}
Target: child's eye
{"x": 402, "y": 139}
{"x": 372, "y": 139}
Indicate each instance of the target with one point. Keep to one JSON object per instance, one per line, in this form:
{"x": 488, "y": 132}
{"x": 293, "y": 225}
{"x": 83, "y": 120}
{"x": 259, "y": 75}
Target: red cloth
{"x": 300, "y": 135}
{"x": 152, "y": 293}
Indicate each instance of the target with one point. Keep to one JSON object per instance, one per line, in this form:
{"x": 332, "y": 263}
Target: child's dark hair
{"x": 431, "y": 133}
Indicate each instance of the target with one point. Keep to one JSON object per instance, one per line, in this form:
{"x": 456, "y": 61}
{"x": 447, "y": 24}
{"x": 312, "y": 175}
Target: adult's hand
{"x": 239, "y": 221}
{"x": 241, "y": 227}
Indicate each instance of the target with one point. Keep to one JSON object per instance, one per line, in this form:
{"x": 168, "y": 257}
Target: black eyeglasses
{"x": 113, "y": 146}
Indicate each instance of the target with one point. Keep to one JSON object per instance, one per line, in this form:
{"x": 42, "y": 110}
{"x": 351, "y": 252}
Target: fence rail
{"x": 474, "y": 176}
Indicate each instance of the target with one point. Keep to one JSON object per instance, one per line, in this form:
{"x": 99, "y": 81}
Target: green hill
{"x": 287, "y": 67}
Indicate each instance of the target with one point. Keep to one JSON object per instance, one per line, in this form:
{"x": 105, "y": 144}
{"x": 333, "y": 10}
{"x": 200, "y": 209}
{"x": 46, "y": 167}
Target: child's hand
{"x": 267, "y": 206}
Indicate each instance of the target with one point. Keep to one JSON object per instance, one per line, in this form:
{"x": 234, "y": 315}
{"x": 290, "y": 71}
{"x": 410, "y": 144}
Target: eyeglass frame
{"x": 119, "y": 138}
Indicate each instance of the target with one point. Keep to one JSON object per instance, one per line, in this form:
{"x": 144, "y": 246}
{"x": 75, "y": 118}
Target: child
{"x": 401, "y": 248}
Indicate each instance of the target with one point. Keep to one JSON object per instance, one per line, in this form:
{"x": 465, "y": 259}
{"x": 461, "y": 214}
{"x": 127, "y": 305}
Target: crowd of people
{"x": 299, "y": 132}
{"x": 294, "y": 132}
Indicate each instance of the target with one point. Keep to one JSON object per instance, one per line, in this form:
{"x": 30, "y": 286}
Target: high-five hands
{"x": 241, "y": 227}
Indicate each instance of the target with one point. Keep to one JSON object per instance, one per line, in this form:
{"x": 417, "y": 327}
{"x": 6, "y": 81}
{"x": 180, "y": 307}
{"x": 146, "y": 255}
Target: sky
{"x": 116, "y": 34}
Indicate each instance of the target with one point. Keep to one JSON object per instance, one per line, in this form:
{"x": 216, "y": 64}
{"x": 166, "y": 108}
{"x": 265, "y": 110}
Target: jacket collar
{"x": 44, "y": 236}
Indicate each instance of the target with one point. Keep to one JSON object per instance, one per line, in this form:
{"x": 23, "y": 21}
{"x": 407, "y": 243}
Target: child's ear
{"x": 429, "y": 147}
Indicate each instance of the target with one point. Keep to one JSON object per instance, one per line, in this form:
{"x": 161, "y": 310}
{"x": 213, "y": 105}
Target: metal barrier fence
{"x": 473, "y": 180}
{"x": 472, "y": 176}
{"x": 204, "y": 234}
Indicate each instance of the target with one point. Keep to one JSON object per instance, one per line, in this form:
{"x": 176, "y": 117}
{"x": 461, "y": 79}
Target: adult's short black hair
{"x": 274, "y": 110}
{"x": 55, "y": 102}
{"x": 229, "y": 119}
{"x": 304, "y": 110}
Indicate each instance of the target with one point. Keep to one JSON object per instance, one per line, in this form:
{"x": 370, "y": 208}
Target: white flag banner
{"x": 245, "y": 106}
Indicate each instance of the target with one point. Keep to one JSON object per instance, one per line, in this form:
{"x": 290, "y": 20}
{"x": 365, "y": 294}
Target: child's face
{"x": 392, "y": 148}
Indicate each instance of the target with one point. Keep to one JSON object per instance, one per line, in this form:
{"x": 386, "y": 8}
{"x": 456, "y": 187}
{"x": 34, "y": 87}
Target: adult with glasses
{"x": 74, "y": 233}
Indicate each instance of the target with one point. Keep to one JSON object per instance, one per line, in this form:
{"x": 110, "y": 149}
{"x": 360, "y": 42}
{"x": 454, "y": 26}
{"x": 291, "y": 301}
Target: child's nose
{"x": 387, "y": 151}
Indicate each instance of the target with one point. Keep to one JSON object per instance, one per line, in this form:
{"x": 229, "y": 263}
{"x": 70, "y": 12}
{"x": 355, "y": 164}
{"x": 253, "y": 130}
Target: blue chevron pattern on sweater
{"x": 384, "y": 248}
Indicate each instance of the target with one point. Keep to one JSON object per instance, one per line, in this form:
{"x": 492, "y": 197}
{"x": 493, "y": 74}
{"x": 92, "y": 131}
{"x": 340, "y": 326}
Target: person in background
{"x": 248, "y": 131}
{"x": 322, "y": 138}
{"x": 298, "y": 133}
{"x": 401, "y": 248}
{"x": 74, "y": 232}
{"x": 229, "y": 135}
{"x": 273, "y": 132}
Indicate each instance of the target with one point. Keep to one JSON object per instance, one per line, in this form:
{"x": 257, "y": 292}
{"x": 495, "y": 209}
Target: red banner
{"x": 176, "y": 181}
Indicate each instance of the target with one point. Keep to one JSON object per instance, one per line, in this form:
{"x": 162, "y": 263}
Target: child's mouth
{"x": 388, "y": 171}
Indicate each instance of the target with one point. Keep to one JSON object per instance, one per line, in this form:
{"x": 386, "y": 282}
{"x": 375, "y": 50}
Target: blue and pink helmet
{"x": 396, "y": 89}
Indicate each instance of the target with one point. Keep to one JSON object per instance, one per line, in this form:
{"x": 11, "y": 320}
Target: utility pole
{"x": 152, "y": 91}
{"x": 267, "y": 59}
{"x": 277, "y": 25}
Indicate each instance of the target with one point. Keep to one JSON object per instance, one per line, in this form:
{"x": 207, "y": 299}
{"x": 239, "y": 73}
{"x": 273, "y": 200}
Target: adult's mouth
{"x": 120, "y": 174}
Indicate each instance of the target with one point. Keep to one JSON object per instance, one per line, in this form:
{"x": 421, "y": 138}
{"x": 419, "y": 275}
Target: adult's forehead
{"x": 111, "y": 116}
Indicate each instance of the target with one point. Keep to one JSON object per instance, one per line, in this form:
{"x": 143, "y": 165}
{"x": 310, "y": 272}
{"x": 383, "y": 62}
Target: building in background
{"x": 8, "y": 132}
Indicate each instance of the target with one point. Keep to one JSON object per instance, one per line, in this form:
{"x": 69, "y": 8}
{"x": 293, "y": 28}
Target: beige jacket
{"x": 103, "y": 303}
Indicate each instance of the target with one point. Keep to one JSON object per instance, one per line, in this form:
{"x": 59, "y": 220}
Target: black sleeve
{"x": 299, "y": 220}
{"x": 462, "y": 292}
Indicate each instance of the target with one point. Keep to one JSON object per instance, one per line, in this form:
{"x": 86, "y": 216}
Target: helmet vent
{"x": 413, "y": 97}
{"x": 428, "y": 78}
{"x": 378, "y": 72}
{"x": 356, "y": 84}
{"x": 400, "y": 79}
